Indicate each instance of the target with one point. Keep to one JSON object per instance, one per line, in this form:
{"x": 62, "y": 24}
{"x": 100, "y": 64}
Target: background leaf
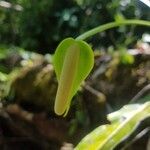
{"x": 106, "y": 137}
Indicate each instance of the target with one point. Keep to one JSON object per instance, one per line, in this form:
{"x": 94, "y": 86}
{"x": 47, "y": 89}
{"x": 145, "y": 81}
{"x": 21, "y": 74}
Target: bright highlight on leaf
{"x": 73, "y": 61}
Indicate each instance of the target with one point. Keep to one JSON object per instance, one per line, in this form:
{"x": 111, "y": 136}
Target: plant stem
{"x": 110, "y": 25}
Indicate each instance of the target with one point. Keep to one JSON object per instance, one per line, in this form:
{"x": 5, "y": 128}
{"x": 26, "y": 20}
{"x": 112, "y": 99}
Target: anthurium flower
{"x": 73, "y": 61}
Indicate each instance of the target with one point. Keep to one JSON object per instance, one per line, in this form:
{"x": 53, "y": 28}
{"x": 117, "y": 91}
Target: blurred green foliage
{"x": 41, "y": 25}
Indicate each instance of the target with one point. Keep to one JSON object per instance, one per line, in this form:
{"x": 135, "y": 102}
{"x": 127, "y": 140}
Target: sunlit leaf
{"x": 123, "y": 123}
{"x": 73, "y": 61}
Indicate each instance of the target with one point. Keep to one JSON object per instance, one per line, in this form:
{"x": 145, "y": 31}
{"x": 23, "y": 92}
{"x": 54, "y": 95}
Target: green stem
{"x": 110, "y": 25}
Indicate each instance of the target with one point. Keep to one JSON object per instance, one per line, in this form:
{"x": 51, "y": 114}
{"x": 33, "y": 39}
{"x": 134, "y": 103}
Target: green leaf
{"x": 73, "y": 61}
{"x": 126, "y": 58}
{"x": 119, "y": 17}
{"x": 123, "y": 123}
